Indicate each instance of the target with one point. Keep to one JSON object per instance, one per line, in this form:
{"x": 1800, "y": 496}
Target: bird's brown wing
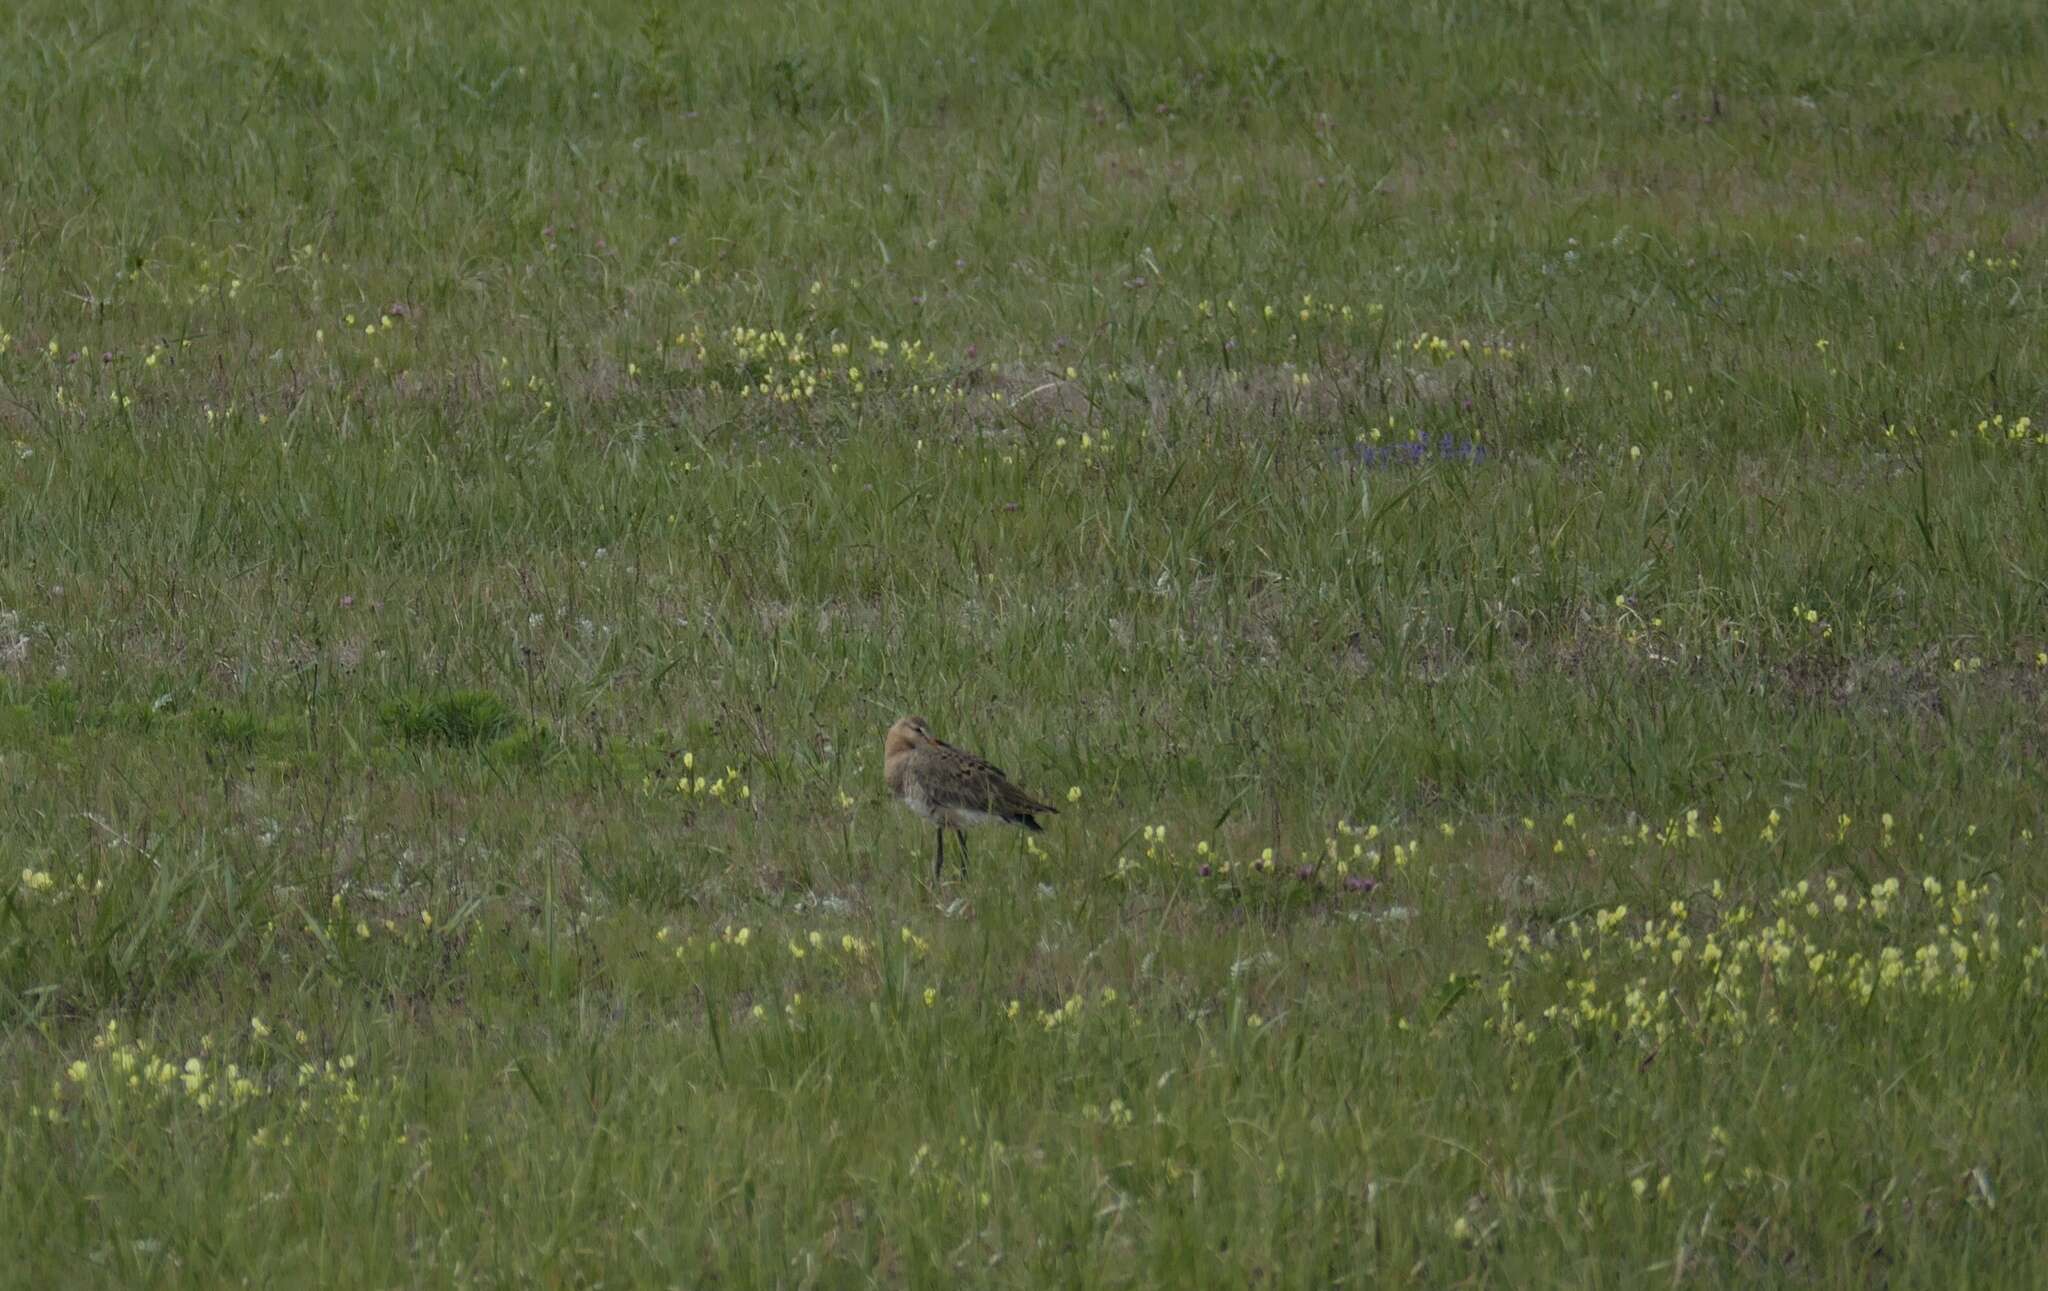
{"x": 1003, "y": 797}
{"x": 1015, "y": 800}
{"x": 968, "y": 762}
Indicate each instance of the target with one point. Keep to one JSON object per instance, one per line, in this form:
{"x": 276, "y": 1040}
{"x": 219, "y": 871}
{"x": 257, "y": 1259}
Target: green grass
{"x": 435, "y": 442}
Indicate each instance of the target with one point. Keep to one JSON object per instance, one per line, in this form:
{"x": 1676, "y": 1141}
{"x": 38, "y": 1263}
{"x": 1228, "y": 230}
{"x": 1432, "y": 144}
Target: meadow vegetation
{"x": 1514, "y": 533}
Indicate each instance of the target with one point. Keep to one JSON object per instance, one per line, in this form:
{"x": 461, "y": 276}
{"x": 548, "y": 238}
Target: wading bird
{"x": 952, "y": 788}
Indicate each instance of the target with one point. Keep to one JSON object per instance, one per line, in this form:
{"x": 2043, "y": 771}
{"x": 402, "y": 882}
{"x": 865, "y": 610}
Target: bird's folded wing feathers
{"x": 989, "y": 779}
{"x": 967, "y": 762}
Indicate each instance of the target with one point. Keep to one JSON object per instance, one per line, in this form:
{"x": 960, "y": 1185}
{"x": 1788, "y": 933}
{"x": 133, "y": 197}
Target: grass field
{"x": 1515, "y": 533}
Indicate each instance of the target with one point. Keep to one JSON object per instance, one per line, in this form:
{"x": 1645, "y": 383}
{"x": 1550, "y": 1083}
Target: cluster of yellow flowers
{"x": 1993, "y": 264}
{"x": 1347, "y": 863}
{"x": 1087, "y": 443}
{"x": 1442, "y": 349}
{"x": 45, "y": 886}
{"x": 694, "y": 784}
{"x": 214, "y": 276}
{"x": 1995, "y": 429}
{"x": 1068, "y": 1014}
{"x": 1311, "y": 320}
{"x": 1309, "y": 310}
{"x": 276, "y": 1082}
{"x": 374, "y": 333}
{"x": 818, "y": 946}
{"x": 1392, "y": 434}
{"x": 383, "y": 324}
{"x": 980, "y": 1169}
{"x": 1808, "y": 617}
{"x": 726, "y": 785}
{"x": 1662, "y": 393}
{"x": 1116, "y": 1116}
{"x": 791, "y": 367}
{"x": 408, "y": 930}
{"x": 815, "y": 942}
{"x": 1723, "y": 976}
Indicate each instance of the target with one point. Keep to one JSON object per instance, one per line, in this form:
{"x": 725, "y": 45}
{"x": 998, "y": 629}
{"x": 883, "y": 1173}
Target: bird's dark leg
{"x": 939, "y": 863}
{"x": 961, "y": 834}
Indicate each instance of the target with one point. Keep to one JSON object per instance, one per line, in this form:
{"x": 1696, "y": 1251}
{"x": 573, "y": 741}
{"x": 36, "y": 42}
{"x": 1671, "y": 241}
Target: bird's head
{"x": 908, "y": 733}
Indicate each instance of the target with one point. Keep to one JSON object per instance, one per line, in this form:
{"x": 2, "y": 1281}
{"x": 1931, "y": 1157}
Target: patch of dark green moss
{"x": 57, "y": 706}
{"x": 461, "y": 719}
{"x": 240, "y": 729}
{"x": 533, "y": 747}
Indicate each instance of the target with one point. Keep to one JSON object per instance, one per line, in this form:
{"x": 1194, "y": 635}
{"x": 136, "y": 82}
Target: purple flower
{"x": 1305, "y": 873}
{"x": 1413, "y": 452}
{"x": 1204, "y": 871}
{"x": 1359, "y": 883}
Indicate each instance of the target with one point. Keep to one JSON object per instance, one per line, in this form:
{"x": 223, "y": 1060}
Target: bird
{"x": 952, "y": 788}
